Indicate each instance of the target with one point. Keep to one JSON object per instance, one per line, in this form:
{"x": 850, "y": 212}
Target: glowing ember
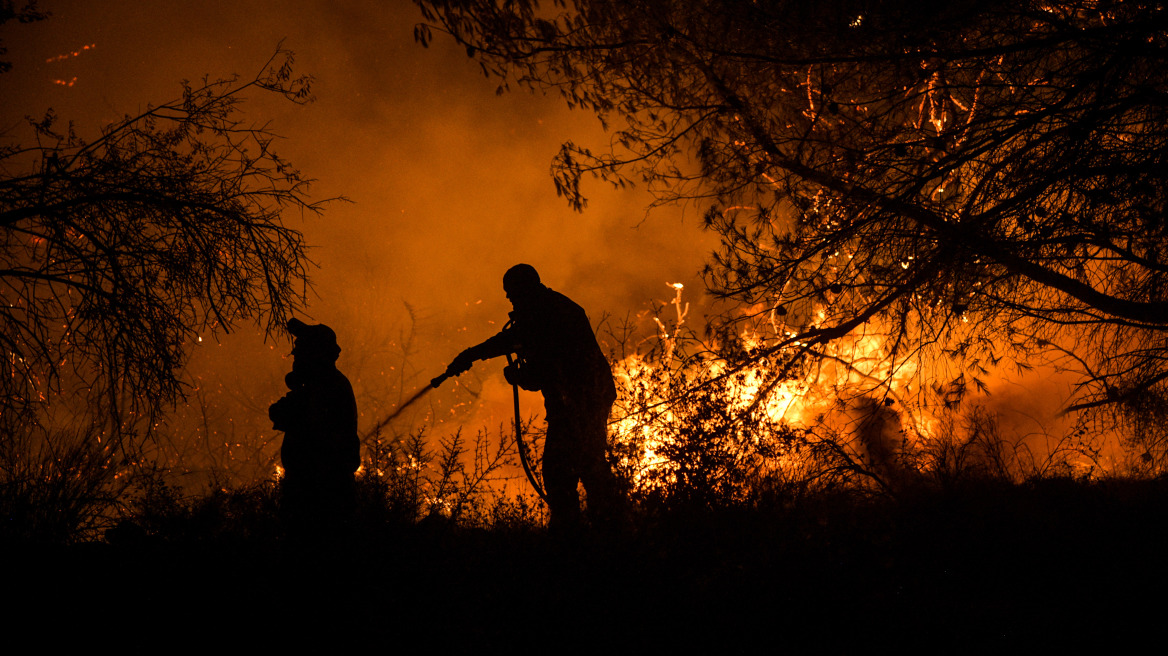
{"x": 71, "y": 54}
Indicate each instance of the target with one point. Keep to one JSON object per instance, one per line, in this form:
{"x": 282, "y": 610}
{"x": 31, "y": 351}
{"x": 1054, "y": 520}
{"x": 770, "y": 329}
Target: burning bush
{"x": 711, "y": 422}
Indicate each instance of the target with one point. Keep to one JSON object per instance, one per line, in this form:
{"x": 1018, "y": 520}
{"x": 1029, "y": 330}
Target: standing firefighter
{"x": 318, "y": 415}
{"x": 558, "y": 356}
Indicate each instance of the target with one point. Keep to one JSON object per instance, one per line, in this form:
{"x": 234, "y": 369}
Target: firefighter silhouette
{"x": 559, "y": 357}
{"x": 318, "y": 415}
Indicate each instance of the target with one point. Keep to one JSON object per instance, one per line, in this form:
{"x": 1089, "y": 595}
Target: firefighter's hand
{"x": 461, "y": 364}
{"x": 511, "y": 374}
{"x": 280, "y": 414}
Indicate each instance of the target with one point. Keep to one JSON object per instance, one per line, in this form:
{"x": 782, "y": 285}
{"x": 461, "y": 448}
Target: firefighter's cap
{"x": 313, "y": 340}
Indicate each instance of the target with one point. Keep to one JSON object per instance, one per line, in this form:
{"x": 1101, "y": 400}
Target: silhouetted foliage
{"x": 28, "y": 12}
{"x": 119, "y": 251}
{"x": 685, "y": 434}
{"x": 985, "y": 561}
{"x": 56, "y": 484}
{"x": 412, "y": 480}
{"x": 974, "y": 179}
{"x": 404, "y": 482}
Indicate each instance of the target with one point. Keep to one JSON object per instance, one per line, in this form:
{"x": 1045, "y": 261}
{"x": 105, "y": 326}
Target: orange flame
{"x": 855, "y": 367}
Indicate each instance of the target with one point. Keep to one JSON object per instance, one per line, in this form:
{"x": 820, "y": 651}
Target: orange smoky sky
{"x": 449, "y": 184}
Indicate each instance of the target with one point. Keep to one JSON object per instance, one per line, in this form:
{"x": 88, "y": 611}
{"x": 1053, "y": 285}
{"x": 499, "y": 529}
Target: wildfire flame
{"x": 652, "y": 410}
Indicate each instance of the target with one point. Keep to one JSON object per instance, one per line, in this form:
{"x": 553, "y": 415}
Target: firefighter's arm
{"x": 501, "y": 344}
{"x": 287, "y": 412}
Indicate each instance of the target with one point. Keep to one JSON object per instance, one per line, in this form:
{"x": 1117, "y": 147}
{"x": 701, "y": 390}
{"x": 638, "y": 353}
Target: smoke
{"x": 449, "y": 186}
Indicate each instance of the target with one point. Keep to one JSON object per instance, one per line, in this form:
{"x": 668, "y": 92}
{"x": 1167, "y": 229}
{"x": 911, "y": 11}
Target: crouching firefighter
{"x": 558, "y": 356}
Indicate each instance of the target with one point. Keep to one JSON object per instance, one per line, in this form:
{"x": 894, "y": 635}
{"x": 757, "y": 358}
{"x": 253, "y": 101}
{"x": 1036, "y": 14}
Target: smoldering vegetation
{"x": 867, "y": 538}
{"x": 742, "y": 525}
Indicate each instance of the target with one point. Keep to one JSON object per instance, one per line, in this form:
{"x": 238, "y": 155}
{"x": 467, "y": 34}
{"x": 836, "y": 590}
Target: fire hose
{"x": 521, "y": 446}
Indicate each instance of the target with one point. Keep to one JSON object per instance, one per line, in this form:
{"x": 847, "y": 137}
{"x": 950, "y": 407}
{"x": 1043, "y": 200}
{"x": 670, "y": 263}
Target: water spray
{"x": 524, "y": 456}
{"x": 434, "y": 383}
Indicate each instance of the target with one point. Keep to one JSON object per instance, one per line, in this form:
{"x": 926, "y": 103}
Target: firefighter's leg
{"x": 560, "y": 475}
{"x": 595, "y": 472}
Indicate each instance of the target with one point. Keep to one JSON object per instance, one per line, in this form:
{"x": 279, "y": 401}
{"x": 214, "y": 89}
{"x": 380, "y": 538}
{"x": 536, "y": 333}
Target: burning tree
{"x": 969, "y": 180}
{"x": 120, "y": 250}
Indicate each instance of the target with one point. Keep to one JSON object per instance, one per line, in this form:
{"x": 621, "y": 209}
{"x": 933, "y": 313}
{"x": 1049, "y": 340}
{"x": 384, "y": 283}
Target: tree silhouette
{"x": 117, "y": 252}
{"x": 978, "y": 179}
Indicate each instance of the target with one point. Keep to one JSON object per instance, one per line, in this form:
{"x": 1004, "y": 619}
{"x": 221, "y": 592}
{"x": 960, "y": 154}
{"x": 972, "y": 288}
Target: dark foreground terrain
{"x": 995, "y": 565}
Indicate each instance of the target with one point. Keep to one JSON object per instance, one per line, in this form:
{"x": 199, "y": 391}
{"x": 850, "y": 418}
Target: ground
{"x": 999, "y": 566}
